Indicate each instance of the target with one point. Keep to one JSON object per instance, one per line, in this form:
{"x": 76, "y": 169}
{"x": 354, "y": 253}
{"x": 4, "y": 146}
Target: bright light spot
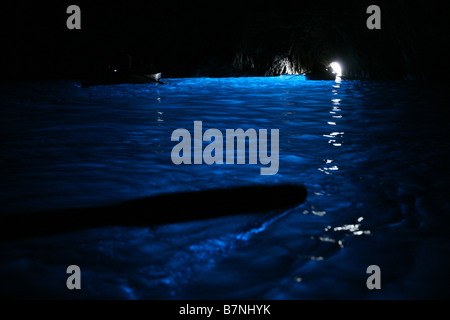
{"x": 327, "y": 239}
{"x": 336, "y": 101}
{"x": 349, "y": 227}
{"x": 336, "y": 68}
{"x": 324, "y": 171}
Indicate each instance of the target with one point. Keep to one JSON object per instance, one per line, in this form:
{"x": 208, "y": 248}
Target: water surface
{"x": 372, "y": 155}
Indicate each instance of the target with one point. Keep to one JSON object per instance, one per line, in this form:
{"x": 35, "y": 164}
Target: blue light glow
{"x": 354, "y": 145}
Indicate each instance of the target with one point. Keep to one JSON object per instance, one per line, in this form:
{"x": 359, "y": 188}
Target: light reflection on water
{"x": 371, "y": 154}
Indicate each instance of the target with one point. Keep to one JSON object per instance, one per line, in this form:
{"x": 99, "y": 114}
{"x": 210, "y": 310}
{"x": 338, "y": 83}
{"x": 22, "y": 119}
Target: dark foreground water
{"x": 374, "y": 157}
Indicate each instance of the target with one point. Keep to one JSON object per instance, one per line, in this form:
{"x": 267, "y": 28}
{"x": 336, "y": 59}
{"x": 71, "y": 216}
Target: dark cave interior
{"x": 217, "y": 39}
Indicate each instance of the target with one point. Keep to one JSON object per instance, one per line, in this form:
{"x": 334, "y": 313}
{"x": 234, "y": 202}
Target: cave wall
{"x": 410, "y": 44}
{"x": 247, "y": 38}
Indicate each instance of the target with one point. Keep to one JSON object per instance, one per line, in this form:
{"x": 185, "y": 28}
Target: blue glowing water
{"x": 373, "y": 156}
